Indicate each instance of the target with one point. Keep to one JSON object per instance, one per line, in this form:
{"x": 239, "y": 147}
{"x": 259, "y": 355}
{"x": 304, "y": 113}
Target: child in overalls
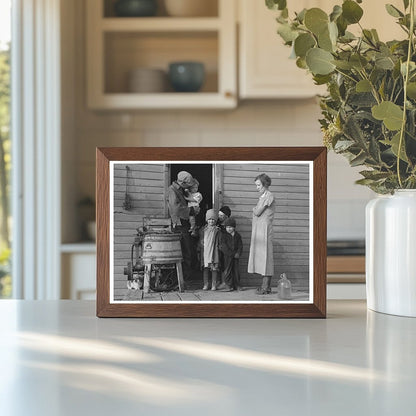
{"x": 208, "y": 248}
{"x": 231, "y": 246}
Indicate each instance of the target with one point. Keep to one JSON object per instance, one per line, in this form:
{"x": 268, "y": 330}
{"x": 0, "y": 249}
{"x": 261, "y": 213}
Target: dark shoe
{"x": 226, "y": 288}
{"x": 261, "y": 291}
{"x": 222, "y": 286}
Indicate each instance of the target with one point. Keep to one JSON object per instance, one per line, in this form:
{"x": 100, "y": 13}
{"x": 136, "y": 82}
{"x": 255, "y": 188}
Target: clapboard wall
{"x": 290, "y": 187}
{"x": 146, "y": 186}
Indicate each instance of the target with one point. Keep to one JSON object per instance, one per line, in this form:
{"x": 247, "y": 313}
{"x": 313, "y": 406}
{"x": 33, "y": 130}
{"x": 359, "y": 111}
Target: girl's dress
{"x": 209, "y": 242}
{"x": 261, "y": 247}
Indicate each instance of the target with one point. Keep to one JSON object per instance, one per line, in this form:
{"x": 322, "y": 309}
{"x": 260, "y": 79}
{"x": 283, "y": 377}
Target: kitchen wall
{"x": 253, "y": 123}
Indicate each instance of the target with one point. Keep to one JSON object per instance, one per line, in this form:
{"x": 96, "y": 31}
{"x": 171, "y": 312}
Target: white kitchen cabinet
{"x": 78, "y": 264}
{"x": 117, "y": 45}
{"x": 265, "y": 70}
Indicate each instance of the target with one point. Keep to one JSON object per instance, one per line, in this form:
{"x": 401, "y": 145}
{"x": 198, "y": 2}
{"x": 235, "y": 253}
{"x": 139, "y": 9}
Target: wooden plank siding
{"x": 233, "y": 186}
{"x": 290, "y": 186}
{"x": 146, "y": 185}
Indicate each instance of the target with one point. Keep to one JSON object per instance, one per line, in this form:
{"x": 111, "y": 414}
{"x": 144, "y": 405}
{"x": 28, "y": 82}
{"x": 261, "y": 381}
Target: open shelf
{"x": 116, "y": 46}
{"x": 126, "y": 51}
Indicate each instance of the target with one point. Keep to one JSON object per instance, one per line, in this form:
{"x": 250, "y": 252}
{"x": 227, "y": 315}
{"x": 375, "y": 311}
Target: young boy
{"x": 231, "y": 245}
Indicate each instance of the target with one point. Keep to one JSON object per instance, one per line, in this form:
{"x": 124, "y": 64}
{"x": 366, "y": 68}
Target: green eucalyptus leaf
{"x": 396, "y": 70}
{"x": 411, "y": 90}
{"x": 375, "y": 35}
{"x": 321, "y": 79}
{"x": 406, "y": 4}
{"x": 285, "y": 13}
{"x": 351, "y": 11}
{"x": 358, "y": 160}
{"x": 301, "y": 63}
{"x": 377, "y": 75}
{"x": 343, "y": 145}
{"x": 282, "y": 4}
{"x": 336, "y": 12}
{"x": 393, "y": 11}
{"x": 363, "y": 86}
{"x": 374, "y": 150}
{"x": 281, "y": 19}
{"x": 301, "y": 15}
{"x": 333, "y": 32}
{"x": 325, "y": 42}
{"x": 384, "y": 62}
{"x": 358, "y": 61}
{"x": 361, "y": 100}
{"x": 347, "y": 37}
{"x": 368, "y": 36}
{"x": 316, "y": 20}
{"x": 342, "y": 25}
{"x": 405, "y": 21}
{"x": 412, "y": 67}
{"x": 303, "y": 43}
{"x": 382, "y": 89}
{"x": 394, "y": 145}
{"x": 276, "y": 4}
{"x": 344, "y": 65}
{"x": 374, "y": 174}
{"x": 287, "y": 33}
{"x": 353, "y": 131}
{"x": 365, "y": 182}
{"x": 391, "y": 114}
{"x": 320, "y": 61}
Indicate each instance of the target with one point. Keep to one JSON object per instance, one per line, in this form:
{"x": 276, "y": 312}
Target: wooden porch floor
{"x": 247, "y": 294}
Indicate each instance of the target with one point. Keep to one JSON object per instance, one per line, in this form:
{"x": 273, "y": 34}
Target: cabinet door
{"x": 78, "y": 276}
{"x": 266, "y": 71}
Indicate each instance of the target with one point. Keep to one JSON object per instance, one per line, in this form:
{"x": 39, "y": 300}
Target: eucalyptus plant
{"x": 369, "y": 111}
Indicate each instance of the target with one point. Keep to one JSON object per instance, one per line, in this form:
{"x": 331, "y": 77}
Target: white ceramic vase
{"x": 391, "y": 253}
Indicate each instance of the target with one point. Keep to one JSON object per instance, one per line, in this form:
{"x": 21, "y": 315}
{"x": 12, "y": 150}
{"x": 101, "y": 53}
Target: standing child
{"x": 209, "y": 250}
{"x": 194, "y": 198}
{"x": 231, "y": 246}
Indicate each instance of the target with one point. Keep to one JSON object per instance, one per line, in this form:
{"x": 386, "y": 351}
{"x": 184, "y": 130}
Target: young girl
{"x": 208, "y": 248}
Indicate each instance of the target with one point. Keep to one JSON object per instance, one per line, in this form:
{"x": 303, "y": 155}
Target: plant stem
{"x": 346, "y": 75}
{"x": 405, "y": 81}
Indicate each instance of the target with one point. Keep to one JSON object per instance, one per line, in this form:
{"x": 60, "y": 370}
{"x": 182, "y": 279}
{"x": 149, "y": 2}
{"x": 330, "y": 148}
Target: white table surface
{"x": 57, "y": 358}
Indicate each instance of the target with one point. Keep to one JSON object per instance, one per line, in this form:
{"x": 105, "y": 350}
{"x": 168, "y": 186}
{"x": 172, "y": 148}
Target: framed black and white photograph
{"x": 211, "y": 232}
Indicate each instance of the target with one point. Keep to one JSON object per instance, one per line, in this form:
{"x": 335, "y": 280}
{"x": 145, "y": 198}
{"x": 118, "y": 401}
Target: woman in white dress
{"x": 261, "y": 247}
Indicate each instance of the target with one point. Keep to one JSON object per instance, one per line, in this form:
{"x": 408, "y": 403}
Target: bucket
{"x": 161, "y": 248}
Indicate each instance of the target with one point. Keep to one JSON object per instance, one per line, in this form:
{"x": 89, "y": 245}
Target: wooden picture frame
{"x": 133, "y": 186}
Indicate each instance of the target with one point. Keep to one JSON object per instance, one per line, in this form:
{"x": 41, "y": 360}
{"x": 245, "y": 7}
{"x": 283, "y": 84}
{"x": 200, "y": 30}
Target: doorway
{"x": 203, "y": 172}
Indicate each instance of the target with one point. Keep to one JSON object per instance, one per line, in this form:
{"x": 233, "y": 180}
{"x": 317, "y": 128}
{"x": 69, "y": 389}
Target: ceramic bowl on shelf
{"x": 191, "y": 8}
{"x": 186, "y": 76}
{"x": 147, "y": 80}
{"x": 135, "y": 8}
